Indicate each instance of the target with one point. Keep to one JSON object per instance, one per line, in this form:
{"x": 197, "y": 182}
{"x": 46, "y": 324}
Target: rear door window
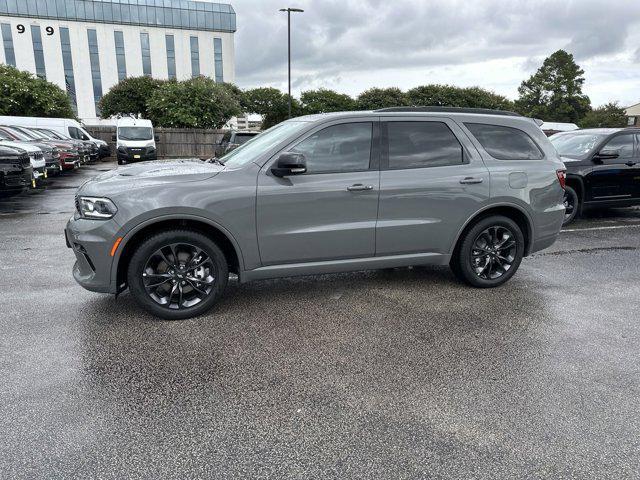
{"x": 422, "y": 144}
{"x": 505, "y": 143}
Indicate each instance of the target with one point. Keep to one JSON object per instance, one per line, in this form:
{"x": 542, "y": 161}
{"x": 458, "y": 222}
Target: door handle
{"x": 630, "y": 164}
{"x": 471, "y": 180}
{"x": 359, "y": 187}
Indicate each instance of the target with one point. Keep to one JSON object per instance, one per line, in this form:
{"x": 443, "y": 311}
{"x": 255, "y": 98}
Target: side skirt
{"x": 348, "y": 265}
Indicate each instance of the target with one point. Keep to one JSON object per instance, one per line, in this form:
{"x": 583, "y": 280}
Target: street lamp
{"x": 289, "y": 10}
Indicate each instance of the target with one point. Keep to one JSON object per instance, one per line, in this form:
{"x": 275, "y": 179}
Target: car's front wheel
{"x": 177, "y": 274}
{"x": 489, "y": 252}
{"x": 571, "y": 205}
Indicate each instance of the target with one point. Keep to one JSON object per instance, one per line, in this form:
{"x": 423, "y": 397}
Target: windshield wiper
{"x": 217, "y": 160}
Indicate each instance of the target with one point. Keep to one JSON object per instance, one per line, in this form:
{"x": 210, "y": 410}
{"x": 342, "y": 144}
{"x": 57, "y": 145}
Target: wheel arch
{"x": 222, "y": 237}
{"x": 577, "y": 183}
{"x": 509, "y": 210}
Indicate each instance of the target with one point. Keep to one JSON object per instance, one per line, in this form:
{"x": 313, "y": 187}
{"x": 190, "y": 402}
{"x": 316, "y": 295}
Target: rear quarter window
{"x": 505, "y": 143}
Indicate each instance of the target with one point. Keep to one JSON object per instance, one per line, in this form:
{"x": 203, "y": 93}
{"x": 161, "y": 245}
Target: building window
{"x": 217, "y": 57}
{"x": 146, "y": 54}
{"x": 67, "y": 63}
{"x": 171, "y": 57}
{"x": 38, "y": 52}
{"x": 121, "y": 63}
{"x": 195, "y": 57}
{"x": 7, "y": 40}
{"x": 94, "y": 59}
{"x": 187, "y": 14}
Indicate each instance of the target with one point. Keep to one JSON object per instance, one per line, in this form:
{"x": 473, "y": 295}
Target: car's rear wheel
{"x": 177, "y": 274}
{"x": 571, "y": 205}
{"x": 489, "y": 252}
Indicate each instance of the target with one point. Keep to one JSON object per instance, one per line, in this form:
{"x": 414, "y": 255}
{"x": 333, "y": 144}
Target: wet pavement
{"x": 398, "y": 373}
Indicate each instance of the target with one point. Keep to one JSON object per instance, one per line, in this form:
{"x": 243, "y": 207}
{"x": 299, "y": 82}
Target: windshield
{"x": 19, "y": 135}
{"x": 135, "y": 133}
{"x": 250, "y": 150}
{"x": 575, "y": 145}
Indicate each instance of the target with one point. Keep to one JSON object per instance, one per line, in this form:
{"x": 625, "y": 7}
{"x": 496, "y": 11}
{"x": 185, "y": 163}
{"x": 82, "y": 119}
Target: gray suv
{"x": 473, "y": 189}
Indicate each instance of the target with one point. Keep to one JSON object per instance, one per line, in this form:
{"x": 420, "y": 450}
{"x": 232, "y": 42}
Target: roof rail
{"x": 485, "y": 111}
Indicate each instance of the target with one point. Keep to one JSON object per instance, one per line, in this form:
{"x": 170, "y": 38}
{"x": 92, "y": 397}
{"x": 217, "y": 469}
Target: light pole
{"x": 289, "y": 10}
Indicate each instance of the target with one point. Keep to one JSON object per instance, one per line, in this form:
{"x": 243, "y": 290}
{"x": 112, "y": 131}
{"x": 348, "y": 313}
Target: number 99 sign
{"x": 21, "y": 29}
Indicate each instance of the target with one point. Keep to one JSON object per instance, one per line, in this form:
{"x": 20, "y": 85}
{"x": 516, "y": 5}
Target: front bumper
{"x": 91, "y": 242}
{"x": 131, "y": 155}
{"x": 16, "y": 181}
{"x": 69, "y": 161}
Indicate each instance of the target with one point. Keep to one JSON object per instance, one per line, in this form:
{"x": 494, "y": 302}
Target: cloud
{"x": 335, "y": 42}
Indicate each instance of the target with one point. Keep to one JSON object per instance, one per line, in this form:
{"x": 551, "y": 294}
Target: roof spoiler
{"x": 538, "y": 121}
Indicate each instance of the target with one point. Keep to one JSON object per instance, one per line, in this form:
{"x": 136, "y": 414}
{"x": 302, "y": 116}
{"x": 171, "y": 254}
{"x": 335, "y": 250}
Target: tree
{"x": 324, "y": 100}
{"x": 450, "y": 96}
{"x": 375, "y": 98}
{"x": 554, "y": 92}
{"x": 24, "y": 94}
{"x": 271, "y": 103}
{"x": 196, "y": 103}
{"x": 609, "y": 115}
{"x": 130, "y": 95}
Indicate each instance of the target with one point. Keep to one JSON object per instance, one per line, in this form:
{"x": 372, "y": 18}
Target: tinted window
{"x": 242, "y": 138}
{"x": 623, "y": 144}
{"x": 340, "y": 148}
{"x": 505, "y": 143}
{"x": 422, "y": 144}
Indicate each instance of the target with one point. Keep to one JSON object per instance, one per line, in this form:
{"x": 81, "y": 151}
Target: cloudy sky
{"x": 351, "y": 45}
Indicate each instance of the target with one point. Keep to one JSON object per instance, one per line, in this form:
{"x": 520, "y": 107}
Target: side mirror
{"x": 606, "y": 154}
{"x": 289, "y": 163}
{"x": 156, "y": 138}
{"x": 113, "y": 137}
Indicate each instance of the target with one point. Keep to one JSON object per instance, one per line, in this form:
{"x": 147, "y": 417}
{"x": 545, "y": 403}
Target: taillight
{"x": 562, "y": 177}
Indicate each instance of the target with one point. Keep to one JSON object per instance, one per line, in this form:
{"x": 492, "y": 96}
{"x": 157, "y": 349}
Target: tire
{"x": 181, "y": 292}
{"x": 571, "y": 205}
{"x": 480, "y": 238}
{"x": 120, "y": 162}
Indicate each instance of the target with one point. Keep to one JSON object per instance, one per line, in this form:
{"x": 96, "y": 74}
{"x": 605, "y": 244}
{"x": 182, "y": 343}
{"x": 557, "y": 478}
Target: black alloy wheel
{"x": 177, "y": 274}
{"x": 489, "y": 252}
{"x": 493, "y": 252}
{"x": 571, "y": 204}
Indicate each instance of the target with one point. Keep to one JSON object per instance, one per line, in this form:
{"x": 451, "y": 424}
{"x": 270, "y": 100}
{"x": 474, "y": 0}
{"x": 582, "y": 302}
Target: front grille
{"x": 136, "y": 151}
{"x": 24, "y": 161}
{"x": 77, "y": 202}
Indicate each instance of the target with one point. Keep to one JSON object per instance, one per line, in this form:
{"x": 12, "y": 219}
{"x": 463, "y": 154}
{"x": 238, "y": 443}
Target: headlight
{"x": 95, "y": 207}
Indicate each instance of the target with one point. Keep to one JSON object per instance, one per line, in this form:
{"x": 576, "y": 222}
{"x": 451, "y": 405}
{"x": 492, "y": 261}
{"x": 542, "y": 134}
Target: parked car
{"x": 603, "y": 168}
{"x": 52, "y": 156}
{"x": 135, "y": 140}
{"x": 65, "y": 147}
{"x": 473, "y": 189}
{"x": 36, "y": 157}
{"x": 86, "y": 149}
{"x": 15, "y": 170}
{"x": 234, "y": 138}
{"x": 66, "y": 126}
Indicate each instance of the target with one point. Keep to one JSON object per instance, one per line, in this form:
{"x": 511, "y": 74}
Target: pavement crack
{"x": 584, "y": 250}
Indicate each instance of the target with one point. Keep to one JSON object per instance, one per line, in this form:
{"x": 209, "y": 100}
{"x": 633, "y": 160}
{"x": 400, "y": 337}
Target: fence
{"x": 173, "y": 142}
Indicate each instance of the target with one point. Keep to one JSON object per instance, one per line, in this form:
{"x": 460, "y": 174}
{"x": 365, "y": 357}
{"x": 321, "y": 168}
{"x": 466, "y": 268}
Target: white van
{"x": 65, "y": 126}
{"x": 135, "y": 140}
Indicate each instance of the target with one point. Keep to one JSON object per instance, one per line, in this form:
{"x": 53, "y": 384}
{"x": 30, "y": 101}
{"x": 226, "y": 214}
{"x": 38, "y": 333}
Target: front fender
{"x": 129, "y": 231}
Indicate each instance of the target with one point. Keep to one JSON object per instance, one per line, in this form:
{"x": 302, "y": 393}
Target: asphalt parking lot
{"x": 386, "y": 374}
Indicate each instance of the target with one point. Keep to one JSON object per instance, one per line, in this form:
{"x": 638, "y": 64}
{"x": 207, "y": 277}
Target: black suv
{"x": 603, "y": 168}
{"x": 15, "y": 170}
{"x": 234, "y": 138}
